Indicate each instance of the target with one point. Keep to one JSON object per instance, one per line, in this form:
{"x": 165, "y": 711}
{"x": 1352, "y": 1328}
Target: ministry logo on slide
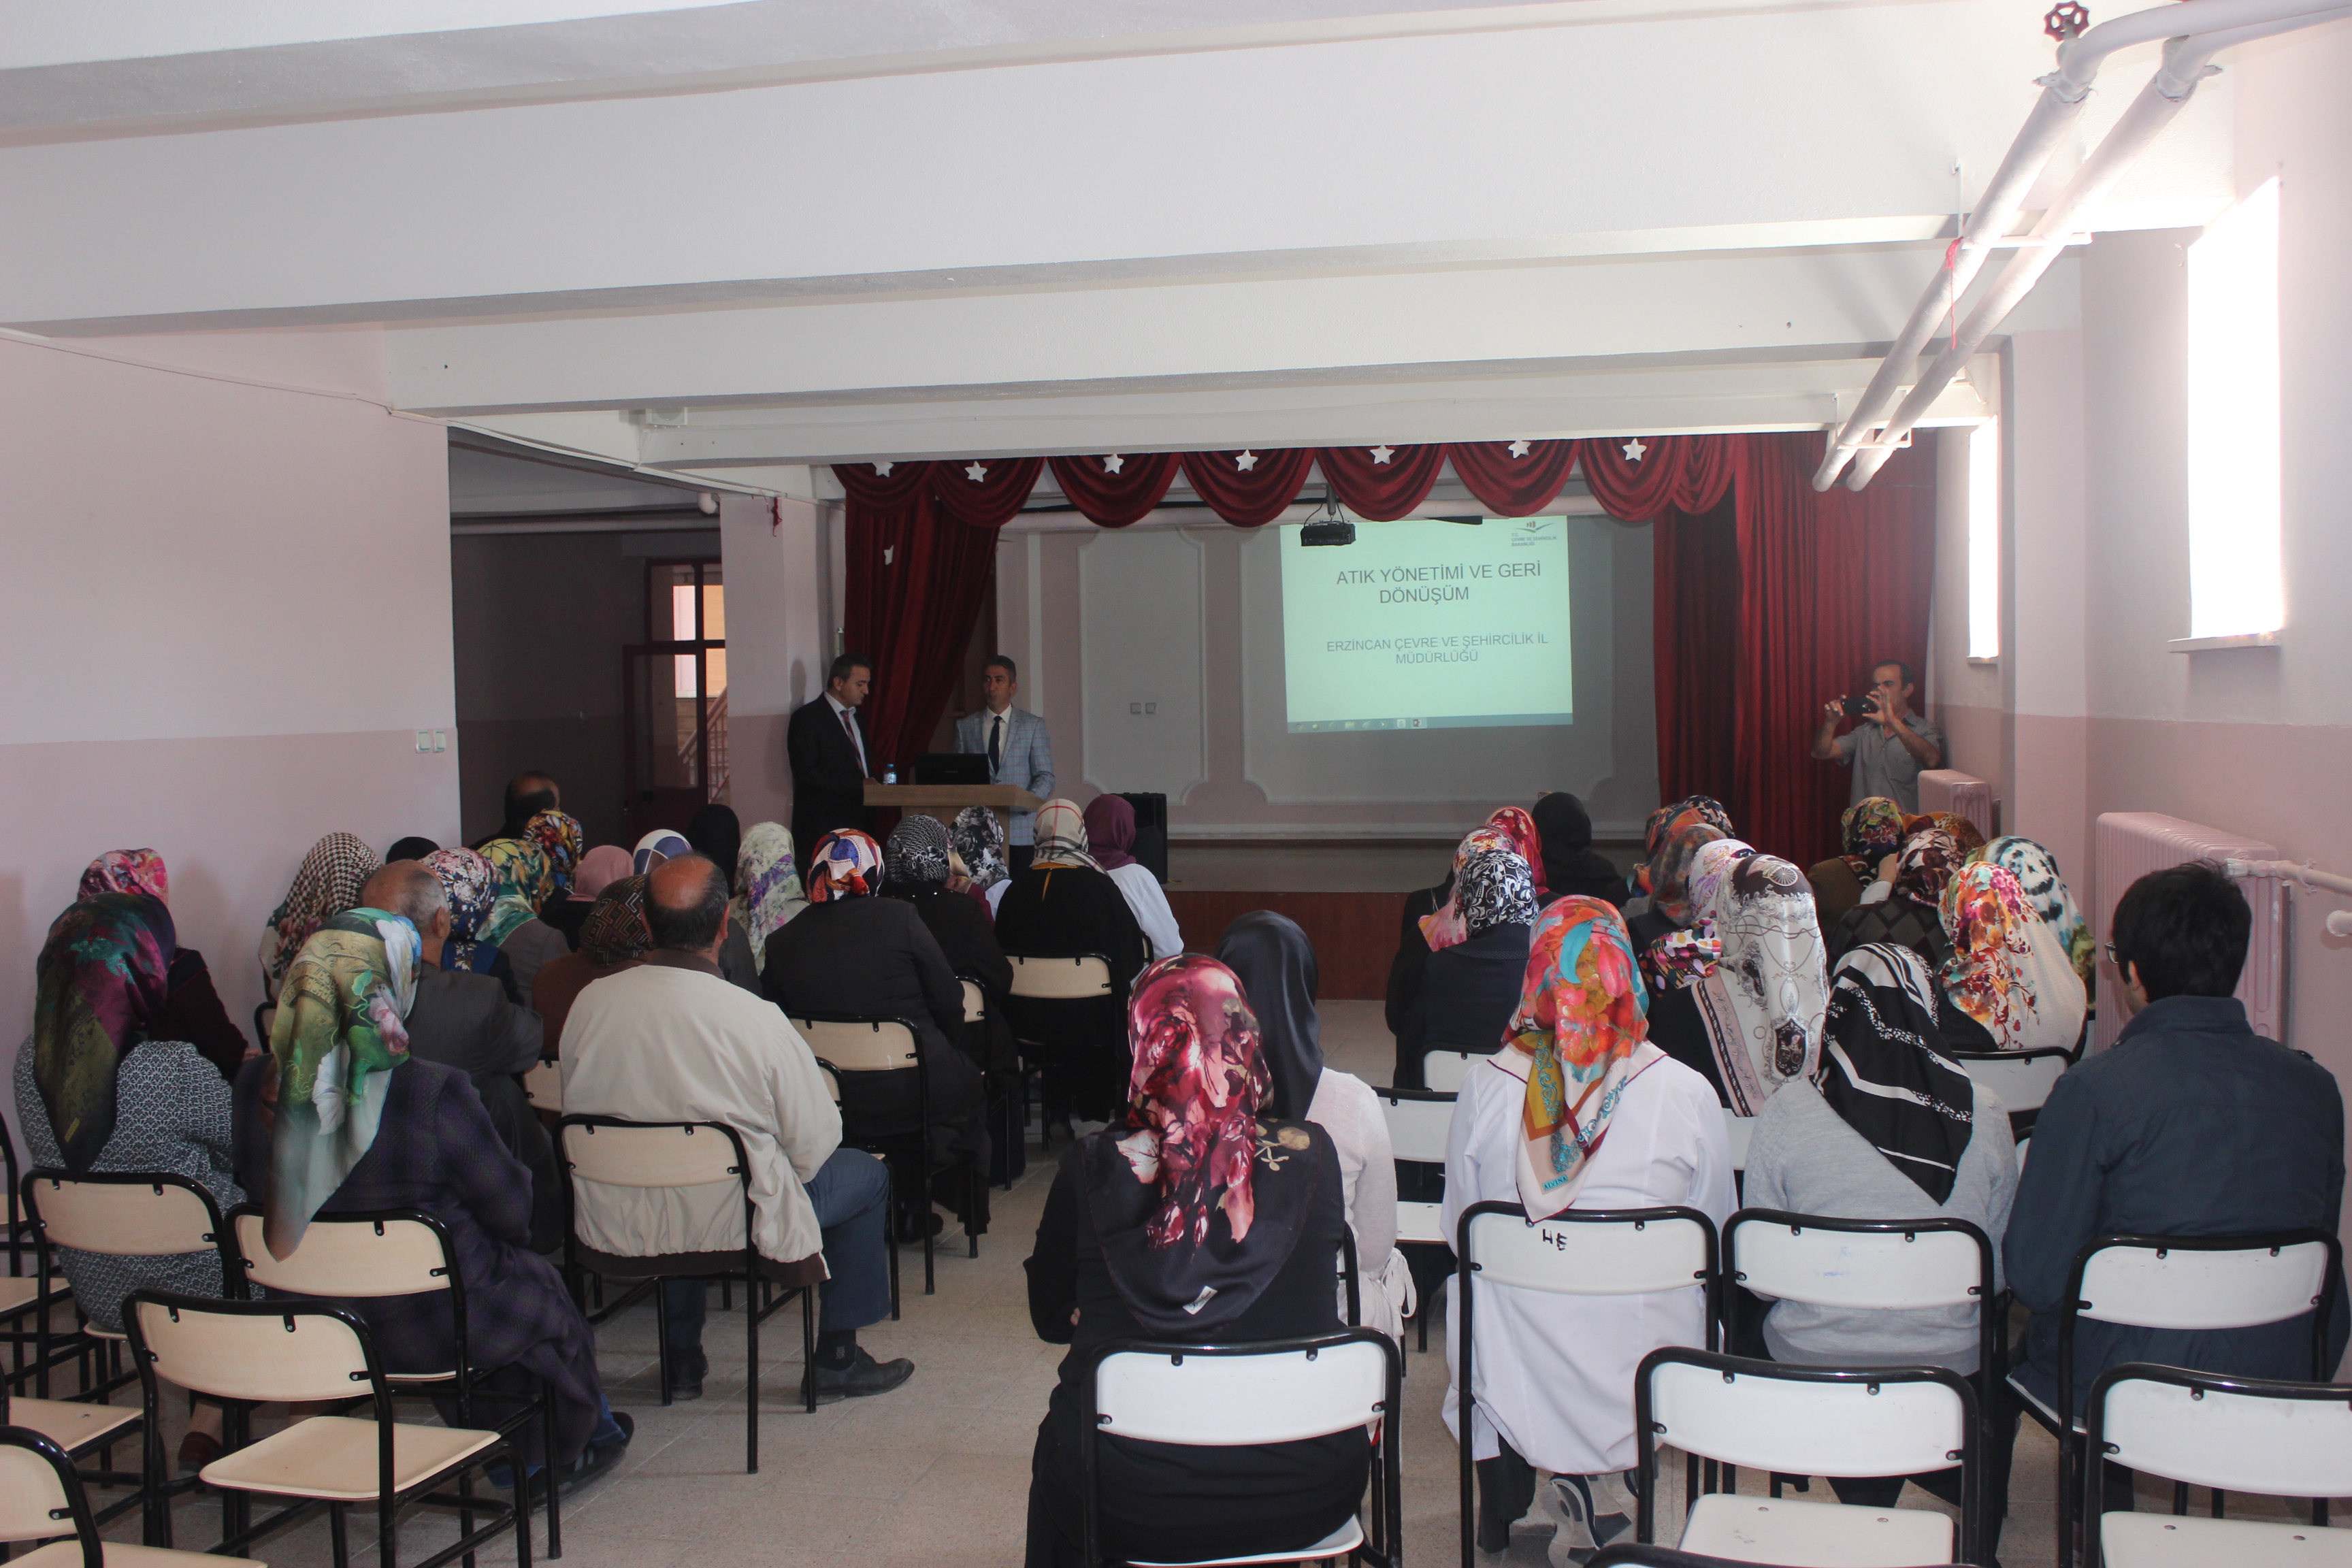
{"x": 1528, "y": 532}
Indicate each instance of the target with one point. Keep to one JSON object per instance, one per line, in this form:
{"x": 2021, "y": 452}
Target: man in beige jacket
{"x": 673, "y": 1041}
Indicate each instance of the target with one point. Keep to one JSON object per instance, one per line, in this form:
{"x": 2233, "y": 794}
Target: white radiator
{"x": 2131, "y": 844}
{"x": 1962, "y": 794}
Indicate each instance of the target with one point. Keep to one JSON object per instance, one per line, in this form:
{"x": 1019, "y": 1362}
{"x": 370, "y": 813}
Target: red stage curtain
{"x": 916, "y": 578}
{"x": 1383, "y": 483}
{"x": 1508, "y": 485}
{"x": 1695, "y": 640}
{"x": 985, "y": 492}
{"x": 1249, "y": 496}
{"x": 1114, "y": 498}
{"x": 885, "y": 492}
{"x": 1829, "y": 583}
{"x": 1687, "y": 473}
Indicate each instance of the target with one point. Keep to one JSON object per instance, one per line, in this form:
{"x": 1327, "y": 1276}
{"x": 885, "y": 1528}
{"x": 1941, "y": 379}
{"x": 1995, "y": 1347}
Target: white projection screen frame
{"x": 1426, "y": 623}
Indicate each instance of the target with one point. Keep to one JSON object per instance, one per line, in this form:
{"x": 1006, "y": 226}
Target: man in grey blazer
{"x": 1017, "y": 748}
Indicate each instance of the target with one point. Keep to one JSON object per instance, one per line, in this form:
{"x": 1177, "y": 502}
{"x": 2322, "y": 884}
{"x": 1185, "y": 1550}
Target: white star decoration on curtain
{"x": 882, "y": 470}
{"x": 975, "y": 473}
{"x": 1519, "y": 448}
{"x": 1382, "y": 454}
{"x": 1246, "y": 461}
{"x": 1113, "y": 463}
{"x": 1633, "y": 451}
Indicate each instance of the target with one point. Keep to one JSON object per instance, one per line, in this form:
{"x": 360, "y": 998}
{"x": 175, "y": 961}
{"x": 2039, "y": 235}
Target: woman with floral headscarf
{"x": 1869, "y": 832}
{"x": 767, "y": 887}
{"x": 327, "y": 883}
{"x": 615, "y": 936}
{"x": 1578, "y": 1111}
{"x": 193, "y": 1010}
{"x": 522, "y": 877}
{"x": 1468, "y": 988}
{"x": 854, "y": 955}
{"x": 1065, "y": 906}
{"x": 1761, "y": 1002}
{"x": 469, "y": 887}
{"x": 2008, "y": 984}
{"x": 340, "y": 1117}
{"x": 977, "y": 839}
{"x": 2036, "y": 870}
{"x": 1197, "y": 1215}
{"x": 1902, "y": 908}
{"x": 103, "y": 1084}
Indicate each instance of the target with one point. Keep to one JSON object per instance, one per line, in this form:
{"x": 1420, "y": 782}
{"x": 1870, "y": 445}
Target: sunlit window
{"x": 1984, "y": 540}
{"x": 2234, "y": 587}
{"x": 681, "y": 599}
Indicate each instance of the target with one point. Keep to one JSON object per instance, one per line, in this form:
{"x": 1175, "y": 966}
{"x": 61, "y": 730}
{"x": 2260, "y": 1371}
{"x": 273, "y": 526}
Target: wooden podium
{"x": 943, "y": 801}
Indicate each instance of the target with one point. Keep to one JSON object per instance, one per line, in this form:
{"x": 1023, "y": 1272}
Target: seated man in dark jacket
{"x": 1468, "y": 991}
{"x": 464, "y": 1020}
{"x": 853, "y": 954}
{"x": 2191, "y": 1124}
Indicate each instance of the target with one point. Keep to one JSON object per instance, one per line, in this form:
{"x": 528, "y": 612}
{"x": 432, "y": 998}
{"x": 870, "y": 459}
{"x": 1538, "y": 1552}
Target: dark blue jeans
{"x": 851, "y": 1194}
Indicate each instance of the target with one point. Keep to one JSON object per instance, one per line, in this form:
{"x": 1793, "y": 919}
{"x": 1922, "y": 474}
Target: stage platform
{"x": 1348, "y": 896}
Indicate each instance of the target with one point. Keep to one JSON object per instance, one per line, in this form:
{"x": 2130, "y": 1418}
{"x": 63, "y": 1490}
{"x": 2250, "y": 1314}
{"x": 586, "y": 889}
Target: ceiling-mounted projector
{"x": 1331, "y": 526}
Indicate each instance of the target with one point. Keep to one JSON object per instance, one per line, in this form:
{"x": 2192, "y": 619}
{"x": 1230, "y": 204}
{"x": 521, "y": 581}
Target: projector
{"x": 1340, "y": 532}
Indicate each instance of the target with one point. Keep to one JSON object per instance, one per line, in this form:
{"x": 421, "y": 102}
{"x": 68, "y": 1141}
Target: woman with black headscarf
{"x": 1467, "y": 990}
{"x": 1198, "y": 1215}
{"x": 915, "y": 870}
{"x": 1571, "y": 863}
{"x": 1276, "y": 964}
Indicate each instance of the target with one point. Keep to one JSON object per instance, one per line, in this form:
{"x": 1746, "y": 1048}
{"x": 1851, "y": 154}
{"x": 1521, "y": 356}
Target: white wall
{"x": 229, "y": 614}
{"x": 777, "y": 643}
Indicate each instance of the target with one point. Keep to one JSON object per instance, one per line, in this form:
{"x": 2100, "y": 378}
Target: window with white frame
{"x": 1984, "y": 540}
{"x": 2234, "y": 587}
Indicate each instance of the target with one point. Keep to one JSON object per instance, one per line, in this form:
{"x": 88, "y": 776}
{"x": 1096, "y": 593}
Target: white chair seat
{"x": 1815, "y": 1534}
{"x": 2172, "y": 1541}
{"x": 1339, "y": 1543}
{"x": 19, "y": 1292}
{"x": 1422, "y": 1222}
{"x": 333, "y": 1457}
{"x": 70, "y": 1423}
{"x": 123, "y": 1554}
{"x": 2041, "y": 1407}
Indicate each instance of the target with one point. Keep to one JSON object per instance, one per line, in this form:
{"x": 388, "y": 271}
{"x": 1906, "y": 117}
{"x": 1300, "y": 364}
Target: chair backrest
{"x": 1445, "y": 1068}
{"x": 831, "y": 1079}
{"x": 1739, "y": 1129}
{"x": 861, "y": 1044}
{"x": 1419, "y": 1123}
{"x": 1807, "y": 1421}
{"x": 2203, "y": 1282}
{"x": 543, "y": 1086}
{"x": 271, "y": 1352}
{"x": 1861, "y": 1264}
{"x": 1061, "y": 979}
{"x": 1620, "y": 1252}
{"x": 975, "y": 1001}
{"x": 2021, "y": 1078}
{"x": 2239, "y": 1435}
{"x": 127, "y": 1214}
{"x": 1210, "y": 1398}
{"x": 34, "y": 1502}
{"x": 651, "y": 1155}
{"x": 346, "y": 1256}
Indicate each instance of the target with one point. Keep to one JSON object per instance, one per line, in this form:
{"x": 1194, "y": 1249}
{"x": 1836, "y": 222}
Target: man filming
{"x": 1888, "y": 744}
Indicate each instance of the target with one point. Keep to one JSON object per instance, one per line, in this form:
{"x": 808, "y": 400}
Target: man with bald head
{"x": 673, "y": 1041}
{"x": 463, "y": 1020}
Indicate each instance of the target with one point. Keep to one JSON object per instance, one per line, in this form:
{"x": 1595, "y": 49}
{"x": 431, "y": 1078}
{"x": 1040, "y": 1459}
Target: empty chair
{"x": 1418, "y": 1121}
{"x": 40, "y": 1491}
{"x": 2232, "y": 1434}
{"x": 1239, "y": 1395}
{"x": 2197, "y": 1283}
{"x": 617, "y": 1167}
{"x": 1820, "y": 1421}
{"x": 280, "y": 1351}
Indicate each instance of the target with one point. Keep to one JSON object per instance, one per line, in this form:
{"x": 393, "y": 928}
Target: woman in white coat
{"x": 1578, "y": 1111}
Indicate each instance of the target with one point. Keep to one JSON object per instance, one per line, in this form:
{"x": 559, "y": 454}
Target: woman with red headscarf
{"x": 1197, "y": 1216}
{"x": 193, "y": 1010}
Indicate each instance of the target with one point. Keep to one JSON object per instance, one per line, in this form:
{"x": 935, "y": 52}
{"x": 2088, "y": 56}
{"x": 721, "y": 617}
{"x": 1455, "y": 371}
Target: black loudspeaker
{"x": 1150, "y": 832}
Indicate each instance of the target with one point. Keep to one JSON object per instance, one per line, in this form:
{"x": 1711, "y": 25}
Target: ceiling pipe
{"x": 2213, "y": 25}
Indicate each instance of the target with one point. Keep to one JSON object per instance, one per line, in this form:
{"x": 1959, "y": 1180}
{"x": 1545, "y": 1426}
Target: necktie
{"x": 996, "y": 745}
{"x": 850, "y": 724}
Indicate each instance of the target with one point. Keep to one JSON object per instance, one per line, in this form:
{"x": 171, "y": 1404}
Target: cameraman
{"x": 1888, "y": 745}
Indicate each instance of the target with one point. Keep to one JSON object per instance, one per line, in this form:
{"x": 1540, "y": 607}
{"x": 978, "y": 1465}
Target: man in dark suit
{"x": 463, "y": 1020}
{"x": 825, "y": 745}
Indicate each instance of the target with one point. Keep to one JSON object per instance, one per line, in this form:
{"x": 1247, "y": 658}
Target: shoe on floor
{"x": 860, "y": 1379}
{"x": 1592, "y": 1511}
{"x": 595, "y": 1462}
{"x": 686, "y": 1371}
{"x": 912, "y": 1226}
{"x": 198, "y": 1449}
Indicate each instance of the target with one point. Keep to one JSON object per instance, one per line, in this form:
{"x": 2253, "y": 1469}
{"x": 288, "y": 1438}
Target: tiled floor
{"x": 938, "y": 1472}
